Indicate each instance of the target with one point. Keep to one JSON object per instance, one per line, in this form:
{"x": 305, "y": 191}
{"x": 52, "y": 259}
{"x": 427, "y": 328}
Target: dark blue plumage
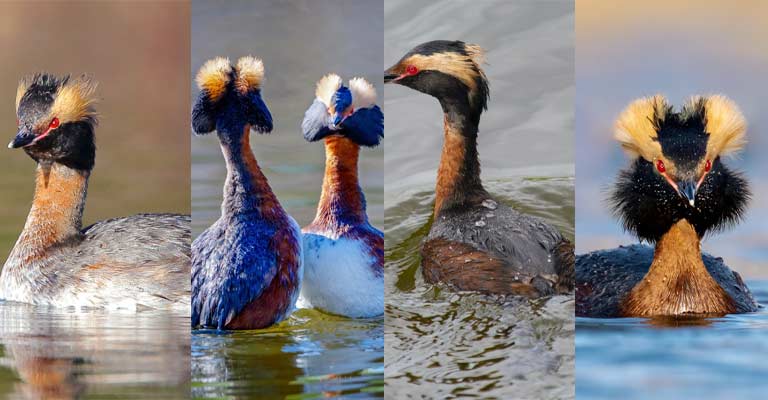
{"x": 365, "y": 126}
{"x": 342, "y": 99}
{"x": 231, "y": 112}
{"x": 246, "y": 267}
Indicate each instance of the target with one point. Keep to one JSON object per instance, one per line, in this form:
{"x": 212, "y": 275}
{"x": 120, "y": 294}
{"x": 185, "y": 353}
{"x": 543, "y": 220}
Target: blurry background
{"x": 310, "y": 354}
{"x": 299, "y": 42}
{"x": 677, "y": 49}
{"x": 139, "y": 56}
{"x": 139, "y": 53}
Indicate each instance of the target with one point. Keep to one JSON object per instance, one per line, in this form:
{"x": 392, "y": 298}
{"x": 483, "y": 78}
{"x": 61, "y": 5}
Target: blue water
{"x": 639, "y": 358}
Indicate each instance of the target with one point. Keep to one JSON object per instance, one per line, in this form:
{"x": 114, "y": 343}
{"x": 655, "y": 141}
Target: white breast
{"x": 339, "y": 278}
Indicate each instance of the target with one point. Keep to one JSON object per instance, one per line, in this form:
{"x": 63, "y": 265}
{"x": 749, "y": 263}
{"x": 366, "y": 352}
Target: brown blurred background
{"x": 139, "y": 54}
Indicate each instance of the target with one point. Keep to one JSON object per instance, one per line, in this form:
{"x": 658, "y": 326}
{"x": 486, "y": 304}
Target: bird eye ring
{"x": 54, "y": 123}
{"x": 660, "y": 166}
{"x": 411, "y": 70}
{"x": 708, "y": 166}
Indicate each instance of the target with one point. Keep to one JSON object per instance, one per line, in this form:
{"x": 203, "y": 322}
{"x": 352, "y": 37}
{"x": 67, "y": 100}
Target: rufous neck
{"x": 246, "y": 189}
{"x": 458, "y": 176}
{"x": 678, "y": 281}
{"x": 341, "y": 201}
{"x": 57, "y": 209}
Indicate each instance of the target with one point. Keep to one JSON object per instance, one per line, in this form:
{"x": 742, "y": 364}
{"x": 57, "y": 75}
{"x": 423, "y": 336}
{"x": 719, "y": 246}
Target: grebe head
{"x": 346, "y": 111}
{"x": 678, "y": 170}
{"x": 447, "y": 70}
{"x": 230, "y": 99}
{"x": 55, "y": 118}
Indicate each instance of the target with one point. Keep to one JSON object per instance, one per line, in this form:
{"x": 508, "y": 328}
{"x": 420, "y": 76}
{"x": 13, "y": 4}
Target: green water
{"x": 310, "y": 355}
{"x": 440, "y": 343}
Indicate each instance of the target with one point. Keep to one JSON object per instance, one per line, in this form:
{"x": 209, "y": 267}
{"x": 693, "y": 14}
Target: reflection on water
{"x": 675, "y": 358}
{"x": 440, "y": 343}
{"x": 310, "y": 354}
{"x": 60, "y": 354}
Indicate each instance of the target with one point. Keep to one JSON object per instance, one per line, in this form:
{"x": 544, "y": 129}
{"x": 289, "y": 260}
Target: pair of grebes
{"x": 250, "y": 264}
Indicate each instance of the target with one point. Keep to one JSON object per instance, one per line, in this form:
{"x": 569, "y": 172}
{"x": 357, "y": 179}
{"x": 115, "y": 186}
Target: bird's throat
{"x": 342, "y": 200}
{"x": 677, "y": 282}
{"x": 246, "y": 189}
{"x": 458, "y": 176}
{"x": 57, "y": 211}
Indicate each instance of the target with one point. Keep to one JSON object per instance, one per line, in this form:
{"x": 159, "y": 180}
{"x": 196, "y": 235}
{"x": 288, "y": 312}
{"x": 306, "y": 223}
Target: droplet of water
{"x": 489, "y": 204}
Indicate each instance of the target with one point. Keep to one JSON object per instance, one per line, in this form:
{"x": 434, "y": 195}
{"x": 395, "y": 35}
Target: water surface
{"x": 714, "y": 358}
{"x": 67, "y": 354}
{"x": 441, "y": 344}
{"x": 311, "y": 354}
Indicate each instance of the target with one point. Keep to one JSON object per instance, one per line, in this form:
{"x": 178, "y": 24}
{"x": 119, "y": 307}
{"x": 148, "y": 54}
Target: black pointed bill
{"x": 687, "y": 190}
{"x": 23, "y": 138}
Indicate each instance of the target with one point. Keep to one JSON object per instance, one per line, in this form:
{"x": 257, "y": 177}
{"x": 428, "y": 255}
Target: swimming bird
{"x": 343, "y": 252}
{"x": 476, "y": 243}
{"x": 131, "y": 262}
{"x": 675, "y": 191}
{"x": 247, "y": 266}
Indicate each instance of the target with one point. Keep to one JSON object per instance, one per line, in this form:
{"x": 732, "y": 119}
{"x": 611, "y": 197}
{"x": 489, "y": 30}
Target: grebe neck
{"x": 458, "y": 176}
{"x": 246, "y": 189}
{"x": 342, "y": 201}
{"x": 678, "y": 282}
{"x": 56, "y": 215}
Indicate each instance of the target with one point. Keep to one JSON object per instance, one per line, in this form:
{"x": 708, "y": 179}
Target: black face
{"x": 649, "y": 199}
{"x": 44, "y": 137}
{"x": 231, "y": 113}
{"x": 434, "y": 82}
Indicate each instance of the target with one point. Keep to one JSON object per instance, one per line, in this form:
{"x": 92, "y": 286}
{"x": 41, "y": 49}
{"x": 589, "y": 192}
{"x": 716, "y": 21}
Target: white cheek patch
{"x": 363, "y": 93}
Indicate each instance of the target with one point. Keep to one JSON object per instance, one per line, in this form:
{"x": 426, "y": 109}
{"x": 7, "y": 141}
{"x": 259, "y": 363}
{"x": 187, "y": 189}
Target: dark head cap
{"x": 347, "y": 111}
{"x": 230, "y": 98}
{"x": 444, "y": 69}
{"x": 55, "y": 118}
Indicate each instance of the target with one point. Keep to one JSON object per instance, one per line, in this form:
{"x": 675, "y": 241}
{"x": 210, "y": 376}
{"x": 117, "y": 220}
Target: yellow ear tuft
{"x": 636, "y": 127}
{"x": 250, "y": 73}
{"x": 363, "y": 93}
{"x": 75, "y": 100}
{"x": 213, "y": 77}
{"x": 725, "y": 125}
{"x": 476, "y": 53}
{"x": 326, "y": 87}
{"x": 20, "y": 90}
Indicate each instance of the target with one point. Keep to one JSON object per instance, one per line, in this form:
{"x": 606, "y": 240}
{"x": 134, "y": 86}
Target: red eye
{"x": 54, "y": 123}
{"x": 411, "y": 70}
{"x": 708, "y": 166}
{"x": 660, "y": 166}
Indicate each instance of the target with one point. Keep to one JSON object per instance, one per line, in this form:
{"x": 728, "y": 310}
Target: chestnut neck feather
{"x": 342, "y": 201}
{"x": 458, "y": 176}
{"x": 678, "y": 282}
{"x": 57, "y": 210}
{"x": 246, "y": 189}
